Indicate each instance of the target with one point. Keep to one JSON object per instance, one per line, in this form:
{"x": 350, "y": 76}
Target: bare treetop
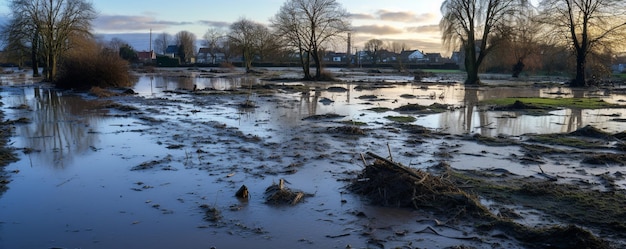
{"x": 308, "y": 25}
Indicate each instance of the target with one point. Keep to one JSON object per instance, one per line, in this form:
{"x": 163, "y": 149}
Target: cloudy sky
{"x": 414, "y": 22}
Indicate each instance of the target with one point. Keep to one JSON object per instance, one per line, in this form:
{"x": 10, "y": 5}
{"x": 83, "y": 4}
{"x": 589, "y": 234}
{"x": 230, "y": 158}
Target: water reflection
{"x": 467, "y": 117}
{"x": 60, "y": 124}
{"x": 151, "y": 85}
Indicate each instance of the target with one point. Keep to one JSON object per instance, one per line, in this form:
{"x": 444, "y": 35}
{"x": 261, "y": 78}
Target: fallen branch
{"x": 396, "y": 165}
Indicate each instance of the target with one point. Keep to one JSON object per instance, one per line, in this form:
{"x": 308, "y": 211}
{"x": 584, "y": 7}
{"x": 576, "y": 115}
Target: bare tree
{"x": 373, "y": 48}
{"x": 116, "y": 44}
{"x": 161, "y": 42}
{"x": 396, "y": 47}
{"x": 212, "y": 39}
{"x": 588, "y": 26}
{"x": 186, "y": 42}
{"x": 52, "y": 23}
{"x": 308, "y": 25}
{"x": 245, "y": 36}
{"x": 524, "y": 39}
{"x": 268, "y": 46}
{"x": 17, "y": 36}
{"x": 470, "y": 24}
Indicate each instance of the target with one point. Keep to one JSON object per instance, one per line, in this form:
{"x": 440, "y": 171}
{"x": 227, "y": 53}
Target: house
{"x": 335, "y": 57}
{"x": 386, "y": 56}
{"x": 204, "y": 56}
{"x": 434, "y": 57}
{"x": 146, "y": 56}
{"x": 413, "y": 56}
{"x": 171, "y": 51}
{"x": 619, "y": 65}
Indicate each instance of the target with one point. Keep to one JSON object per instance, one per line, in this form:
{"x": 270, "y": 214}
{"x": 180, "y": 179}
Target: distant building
{"x": 146, "y": 56}
{"x": 204, "y": 56}
{"x": 619, "y": 65}
{"x": 413, "y": 56}
{"x": 171, "y": 51}
{"x": 336, "y": 57}
{"x": 434, "y": 57}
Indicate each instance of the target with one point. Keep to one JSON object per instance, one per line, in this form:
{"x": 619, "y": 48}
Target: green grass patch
{"x": 557, "y": 139}
{"x": 620, "y": 76}
{"x": 434, "y": 108}
{"x": 379, "y": 109}
{"x": 401, "y": 119}
{"x": 548, "y": 103}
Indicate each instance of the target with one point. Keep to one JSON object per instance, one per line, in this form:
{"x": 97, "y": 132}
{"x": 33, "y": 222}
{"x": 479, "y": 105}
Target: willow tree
{"x": 51, "y": 25}
{"x": 307, "y": 25}
{"x": 587, "y": 26}
{"x": 470, "y": 25}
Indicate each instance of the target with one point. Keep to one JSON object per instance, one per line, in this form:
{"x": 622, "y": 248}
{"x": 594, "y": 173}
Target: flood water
{"x": 76, "y": 184}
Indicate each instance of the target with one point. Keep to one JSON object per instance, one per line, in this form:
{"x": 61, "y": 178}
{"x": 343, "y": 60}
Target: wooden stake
{"x": 364, "y": 162}
{"x": 389, "y": 149}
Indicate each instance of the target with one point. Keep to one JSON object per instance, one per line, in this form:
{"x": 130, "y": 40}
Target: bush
{"x": 325, "y": 76}
{"x": 83, "y": 71}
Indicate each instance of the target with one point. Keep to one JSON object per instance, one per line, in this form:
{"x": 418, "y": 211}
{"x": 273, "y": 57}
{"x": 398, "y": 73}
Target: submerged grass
{"x": 560, "y": 139}
{"x": 7, "y": 154}
{"x": 552, "y": 103}
{"x": 402, "y": 119}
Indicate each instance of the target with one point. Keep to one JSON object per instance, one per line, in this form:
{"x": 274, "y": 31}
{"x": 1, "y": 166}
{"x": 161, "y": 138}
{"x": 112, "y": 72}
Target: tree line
{"x": 488, "y": 33}
{"x": 590, "y": 30}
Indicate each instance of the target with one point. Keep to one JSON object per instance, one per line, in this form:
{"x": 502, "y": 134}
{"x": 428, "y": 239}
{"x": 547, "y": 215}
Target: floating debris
{"x": 279, "y": 194}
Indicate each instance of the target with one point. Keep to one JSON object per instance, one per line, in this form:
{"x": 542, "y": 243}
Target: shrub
{"x": 325, "y": 76}
{"x": 83, "y": 71}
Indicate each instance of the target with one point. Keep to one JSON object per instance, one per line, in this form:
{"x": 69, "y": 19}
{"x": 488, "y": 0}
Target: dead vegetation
{"x": 211, "y": 213}
{"x": 164, "y": 162}
{"x": 390, "y": 184}
{"x": 324, "y": 116}
{"x": 387, "y": 183}
{"x": 7, "y": 154}
{"x": 348, "y": 130}
{"x": 417, "y": 108}
{"x": 278, "y": 194}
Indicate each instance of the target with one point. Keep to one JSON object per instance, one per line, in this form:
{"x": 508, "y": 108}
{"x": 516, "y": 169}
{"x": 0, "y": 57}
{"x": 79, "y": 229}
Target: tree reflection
{"x": 60, "y": 126}
{"x": 470, "y": 101}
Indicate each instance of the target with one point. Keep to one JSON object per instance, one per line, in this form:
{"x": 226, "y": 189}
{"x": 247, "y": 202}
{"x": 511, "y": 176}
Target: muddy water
{"x": 77, "y": 188}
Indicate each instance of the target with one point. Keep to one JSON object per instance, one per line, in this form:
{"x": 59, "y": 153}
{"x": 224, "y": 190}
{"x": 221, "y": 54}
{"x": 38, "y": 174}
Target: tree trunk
{"x": 579, "y": 81}
{"x": 306, "y": 65}
{"x": 318, "y": 65}
{"x": 34, "y": 58}
{"x": 471, "y": 68}
{"x": 247, "y": 60}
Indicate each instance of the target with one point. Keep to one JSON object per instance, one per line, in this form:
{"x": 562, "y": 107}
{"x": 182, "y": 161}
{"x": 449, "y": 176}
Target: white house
{"x": 414, "y": 55}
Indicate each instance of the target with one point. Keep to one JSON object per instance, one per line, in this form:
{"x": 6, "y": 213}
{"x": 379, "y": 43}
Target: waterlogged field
{"x": 160, "y": 168}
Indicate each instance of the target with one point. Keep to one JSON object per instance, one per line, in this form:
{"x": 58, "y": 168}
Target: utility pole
{"x": 349, "y": 52}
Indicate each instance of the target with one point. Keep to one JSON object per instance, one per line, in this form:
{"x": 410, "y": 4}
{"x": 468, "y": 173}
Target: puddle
{"x": 78, "y": 187}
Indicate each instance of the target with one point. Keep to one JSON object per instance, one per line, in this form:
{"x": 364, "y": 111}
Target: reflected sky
{"x": 464, "y": 118}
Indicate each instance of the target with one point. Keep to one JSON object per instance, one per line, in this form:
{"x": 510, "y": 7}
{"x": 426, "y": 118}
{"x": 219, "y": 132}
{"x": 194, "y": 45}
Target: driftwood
{"x": 396, "y": 165}
{"x": 279, "y": 194}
